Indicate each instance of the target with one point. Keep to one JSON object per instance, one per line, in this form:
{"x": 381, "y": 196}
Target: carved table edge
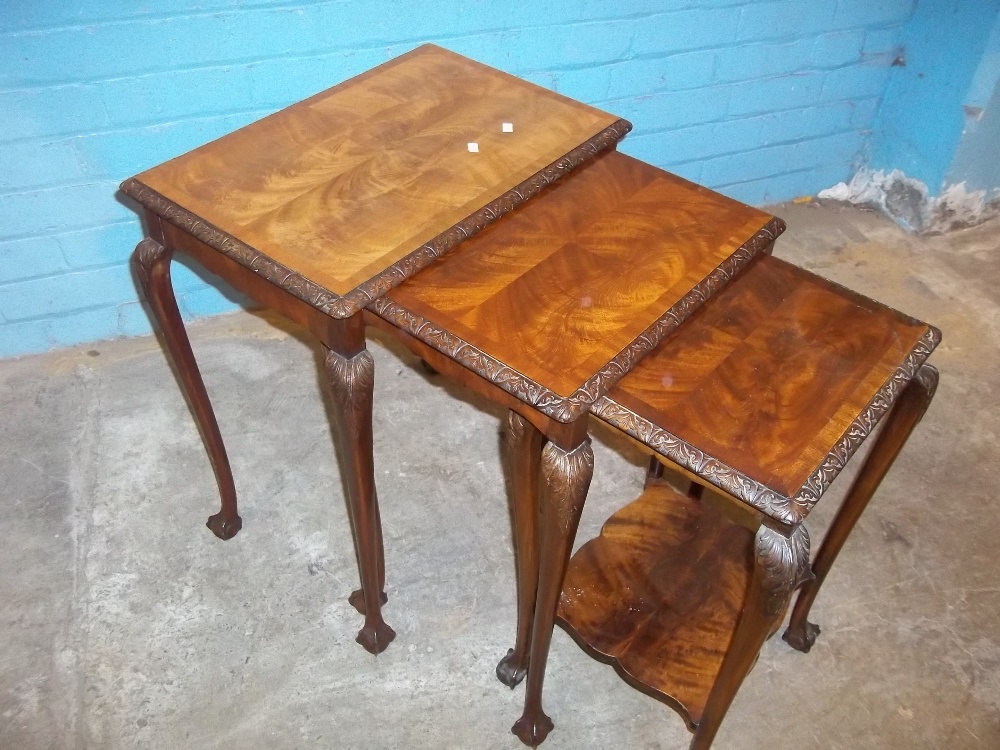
{"x": 790, "y": 511}
{"x": 570, "y": 408}
{"x": 345, "y": 306}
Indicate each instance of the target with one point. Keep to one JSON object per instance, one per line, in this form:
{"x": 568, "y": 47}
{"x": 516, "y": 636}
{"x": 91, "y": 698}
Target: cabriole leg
{"x": 151, "y": 263}
{"x": 565, "y": 480}
{"x": 780, "y": 565}
{"x": 357, "y": 597}
{"x": 907, "y": 412}
{"x": 524, "y": 446}
{"x": 352, "y": 384}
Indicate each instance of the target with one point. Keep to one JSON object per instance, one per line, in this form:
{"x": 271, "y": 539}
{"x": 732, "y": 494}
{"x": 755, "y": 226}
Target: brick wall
{"x": 938, "y": 98}
{"x": 761, "y": 100}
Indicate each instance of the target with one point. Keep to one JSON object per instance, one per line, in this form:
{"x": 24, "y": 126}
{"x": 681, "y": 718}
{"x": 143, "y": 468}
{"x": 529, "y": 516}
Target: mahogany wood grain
{"x": 769, "y": 376}
{"x": 680, "y": 600}
{"x": 658, "y": 595}
{"x": 344, "y": 184}
{"x": 780, "y": 565}
{"x": 557, "y": 289}
{"x": 332, "y": 332}
{"x": 773, "y": 382}
{"x": 543, "y": 311}
{"x": 347, "y": 193}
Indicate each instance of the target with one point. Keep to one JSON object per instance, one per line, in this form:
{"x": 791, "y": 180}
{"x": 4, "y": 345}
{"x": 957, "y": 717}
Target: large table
{"x": 319, "y": 209}
{"x": 327, "y": 211}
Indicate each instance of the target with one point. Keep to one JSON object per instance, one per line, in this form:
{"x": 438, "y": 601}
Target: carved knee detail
{"x": 514, "y": 429}
{"x": 784, "y": 565}
{"x": 567, "y": 478}
{"x": 927, "y": 376}
{"x": 352, "y": 380}
{"x": 147, "y": 254}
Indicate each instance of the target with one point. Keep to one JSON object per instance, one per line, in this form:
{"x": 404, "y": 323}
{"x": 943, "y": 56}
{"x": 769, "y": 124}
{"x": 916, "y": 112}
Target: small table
{"x": 544, "y": 312}
{"x": 762, "y": 396}
{"x": 321, "y": 208}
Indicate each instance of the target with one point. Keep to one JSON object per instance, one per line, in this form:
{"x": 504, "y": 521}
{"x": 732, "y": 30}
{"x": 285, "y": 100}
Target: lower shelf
{"x": 658, "y": 595}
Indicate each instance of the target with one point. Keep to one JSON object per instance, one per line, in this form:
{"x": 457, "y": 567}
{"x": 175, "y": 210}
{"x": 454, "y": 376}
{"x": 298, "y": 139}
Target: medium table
{"x": 544, "y": 312}
{"x": 321, "y": 208}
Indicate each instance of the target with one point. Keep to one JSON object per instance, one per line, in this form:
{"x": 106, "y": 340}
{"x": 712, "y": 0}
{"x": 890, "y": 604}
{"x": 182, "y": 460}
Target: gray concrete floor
{"x": 125, "y": 623}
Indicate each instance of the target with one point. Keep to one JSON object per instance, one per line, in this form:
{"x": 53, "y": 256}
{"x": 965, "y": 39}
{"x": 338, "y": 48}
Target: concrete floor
{"x": 125, "y": 623}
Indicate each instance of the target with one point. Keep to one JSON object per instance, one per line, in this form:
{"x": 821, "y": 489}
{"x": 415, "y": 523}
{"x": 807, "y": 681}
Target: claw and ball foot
{"x": 532, "y": 730}
{"x": 357, "y": 600}
{"x": 376, "y": 638}
{"x": 801, "y": 637}
{"x": 511, "y": 670}
{"x": 223, "y": 526}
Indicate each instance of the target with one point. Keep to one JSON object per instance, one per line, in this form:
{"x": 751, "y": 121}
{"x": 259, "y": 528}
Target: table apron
{"x": 566, "y": 435}
{"x": 345, "y": 336}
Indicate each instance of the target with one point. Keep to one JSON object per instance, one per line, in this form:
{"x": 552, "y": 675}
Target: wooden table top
{"x": 559, "y": 299}
{"x": 769, "y": 389}
{"x": 344, "y": 194}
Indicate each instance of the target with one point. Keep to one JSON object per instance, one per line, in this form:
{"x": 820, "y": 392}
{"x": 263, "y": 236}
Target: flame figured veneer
{"x": 558, "y": 300}
{"x": 345, "y": 194}
{"x": 764, "y": 393}
{"x": 767, "y": 392}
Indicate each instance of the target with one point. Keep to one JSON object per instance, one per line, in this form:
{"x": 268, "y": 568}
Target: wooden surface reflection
{"x": 559, "y": 287}
{"x": 770, "y": 374}
{"x": 658, "y": 595}
{"x": 344, "y": 184}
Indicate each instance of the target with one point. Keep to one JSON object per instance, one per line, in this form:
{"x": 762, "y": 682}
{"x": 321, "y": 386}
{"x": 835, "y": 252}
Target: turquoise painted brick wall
{"x": 761, "y": 100}
{"x": 951, "y": 65}
{"x": 977, "y": 156}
